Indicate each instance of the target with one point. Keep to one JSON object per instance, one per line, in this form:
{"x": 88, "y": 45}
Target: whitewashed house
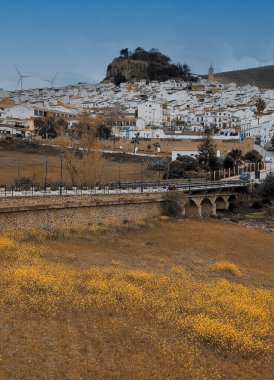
{"x": 151, "y": 112}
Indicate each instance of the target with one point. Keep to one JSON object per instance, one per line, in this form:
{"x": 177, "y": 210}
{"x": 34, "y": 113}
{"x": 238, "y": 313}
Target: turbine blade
{"x": 18, "y": 82}
{"x": 17, "y": 70}
{"x": 53, "y": 79}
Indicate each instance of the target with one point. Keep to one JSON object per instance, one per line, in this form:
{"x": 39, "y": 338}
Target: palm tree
{"x": 136, "y": 141}
{"x": 260, "y": 105}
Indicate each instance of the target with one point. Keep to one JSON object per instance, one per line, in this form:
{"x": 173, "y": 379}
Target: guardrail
{"x": 29, "y": 190}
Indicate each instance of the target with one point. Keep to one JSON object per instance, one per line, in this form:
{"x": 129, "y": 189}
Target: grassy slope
{"x": 114, "y": 303}
{"x": 262, "y": 77}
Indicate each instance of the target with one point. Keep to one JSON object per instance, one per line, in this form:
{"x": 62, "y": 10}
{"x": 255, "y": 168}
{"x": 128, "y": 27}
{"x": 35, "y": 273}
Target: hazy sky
{"x": 79, "y": 38}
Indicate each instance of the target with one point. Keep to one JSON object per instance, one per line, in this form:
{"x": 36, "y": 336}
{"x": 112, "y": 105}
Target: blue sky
{"x": 79, "y": 38}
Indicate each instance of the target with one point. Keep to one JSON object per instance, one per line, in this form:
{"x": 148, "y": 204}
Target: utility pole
{"x": 120, "y": 173}
{"x": 61, "y": 171}
{"x": 46, "y": 172}
{"x": 142, "y": 177}
{"x": 18, "y": 171}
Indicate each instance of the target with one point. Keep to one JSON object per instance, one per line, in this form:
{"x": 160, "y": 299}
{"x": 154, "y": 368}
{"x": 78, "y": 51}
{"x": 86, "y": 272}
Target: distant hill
{"x": 148, "y": 65}
{"x": 262, "y": 77}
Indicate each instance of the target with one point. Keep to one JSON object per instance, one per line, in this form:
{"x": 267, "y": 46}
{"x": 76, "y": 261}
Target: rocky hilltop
{"x": 148, "y": 65}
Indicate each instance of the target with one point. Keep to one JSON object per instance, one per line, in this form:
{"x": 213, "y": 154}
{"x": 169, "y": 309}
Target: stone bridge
{"x": 84, "y": 210}
{"x": 208, "y": 204}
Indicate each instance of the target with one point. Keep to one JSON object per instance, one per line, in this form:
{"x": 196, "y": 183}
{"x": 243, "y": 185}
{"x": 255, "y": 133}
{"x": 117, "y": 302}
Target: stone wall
{"x": 76, "y": 212}
{"x": 85, "y": 210}
{"x": 168, "y": 146}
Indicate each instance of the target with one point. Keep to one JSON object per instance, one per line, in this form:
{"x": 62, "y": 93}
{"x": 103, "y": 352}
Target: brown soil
{"x": 123, "y": 346}
{"x": 17, "y": 164}
{"x": 195, "y": 245}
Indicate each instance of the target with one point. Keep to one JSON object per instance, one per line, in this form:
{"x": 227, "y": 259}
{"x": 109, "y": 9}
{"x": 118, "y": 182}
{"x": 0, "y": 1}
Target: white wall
{"x": 151, "y": 112}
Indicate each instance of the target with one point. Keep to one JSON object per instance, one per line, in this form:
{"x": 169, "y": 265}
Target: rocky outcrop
{"x": 142, "y": 64}
{"x": 128, "y": 69}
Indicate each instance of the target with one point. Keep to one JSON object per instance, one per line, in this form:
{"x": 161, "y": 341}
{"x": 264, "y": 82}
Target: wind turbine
{"x": 51, "y": 80}
{"x": 21, "y": 76}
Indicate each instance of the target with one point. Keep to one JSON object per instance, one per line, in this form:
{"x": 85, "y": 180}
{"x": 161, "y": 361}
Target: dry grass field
{"x": 18, "y": 164}
{"x": 150, "y": 300}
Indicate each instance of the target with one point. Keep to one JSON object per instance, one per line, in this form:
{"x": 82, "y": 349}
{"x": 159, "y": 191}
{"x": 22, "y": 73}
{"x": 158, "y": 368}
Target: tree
{"x": 267, "y": 187}
{"x": 253, "y": 156}
{"x": 39, "y": 123}
{"x": 182, "y": 167}
{"x": 236, "y": 154}
{"x": 124, "y": 53}
{"x": 229, "y": 162}
{"x": 260, "y": 105}
{"x": 174, "y": 170}
{"x": 208, "y": 154}
{"x": 103, "y": 131}
{"x": 136, "y": 141}
{"x": 186, "y": 70}
{"x": 61, "y": 125}
{"x": 50, "y": 127}
{"x": 85, "y": 165}
{"x": 173, "y": 203}
{"x": 188, "y": 163}
{"x": 46, "y": 127}
{"x": 139, "y": 50}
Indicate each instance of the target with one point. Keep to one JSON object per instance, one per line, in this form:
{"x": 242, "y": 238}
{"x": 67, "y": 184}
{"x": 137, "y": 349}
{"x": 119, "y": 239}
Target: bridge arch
{"x": 206, "y": 207}
{"x": 221, "y": 204}
{"x": 232, "y": 199}
{"x": 191, "y": 208}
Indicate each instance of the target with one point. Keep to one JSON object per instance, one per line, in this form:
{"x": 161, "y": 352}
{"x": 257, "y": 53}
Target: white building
{"x": 151, "y": 112}
{"x": 261, "y": 128}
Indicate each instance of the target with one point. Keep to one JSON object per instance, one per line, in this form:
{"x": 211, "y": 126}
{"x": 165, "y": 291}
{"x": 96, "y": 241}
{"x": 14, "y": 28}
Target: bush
{"x": 253, "y": 156}
{"x": 26, "y": 146}
{"x": 188, "y": 163}
{"x": 23, "y": 181}
{"x": 173, "y": 205}
{"x": 228, "y": 162}
{"x": 183, "y": 167}
{"x": 266, "y": 190}
{"x": 229, "y": 317}
{"x": 226, "y": 266}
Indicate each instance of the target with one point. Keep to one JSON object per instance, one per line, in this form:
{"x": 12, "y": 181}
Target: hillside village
{"x": 173, "y": 110}
{"x": 136, "y": 190}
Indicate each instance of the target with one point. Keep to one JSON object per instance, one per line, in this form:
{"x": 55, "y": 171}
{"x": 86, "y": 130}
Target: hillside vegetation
{"x": 262, "y": 77}
{"x": 75, "y": 305}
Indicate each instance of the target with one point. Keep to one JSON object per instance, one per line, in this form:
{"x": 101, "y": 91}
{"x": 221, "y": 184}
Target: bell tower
{"x": 211, "y": 73}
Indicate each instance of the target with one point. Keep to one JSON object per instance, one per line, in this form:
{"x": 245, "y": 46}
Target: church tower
{"x": 211, "y": 73}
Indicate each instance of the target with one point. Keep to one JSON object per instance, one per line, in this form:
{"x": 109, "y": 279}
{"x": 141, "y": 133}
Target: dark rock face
{"x": 148, "y": 65}
{"x": 126, "y": 70}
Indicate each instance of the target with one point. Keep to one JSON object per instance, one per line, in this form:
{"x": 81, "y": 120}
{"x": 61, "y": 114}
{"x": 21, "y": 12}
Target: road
{"x": 11, "y": 191}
